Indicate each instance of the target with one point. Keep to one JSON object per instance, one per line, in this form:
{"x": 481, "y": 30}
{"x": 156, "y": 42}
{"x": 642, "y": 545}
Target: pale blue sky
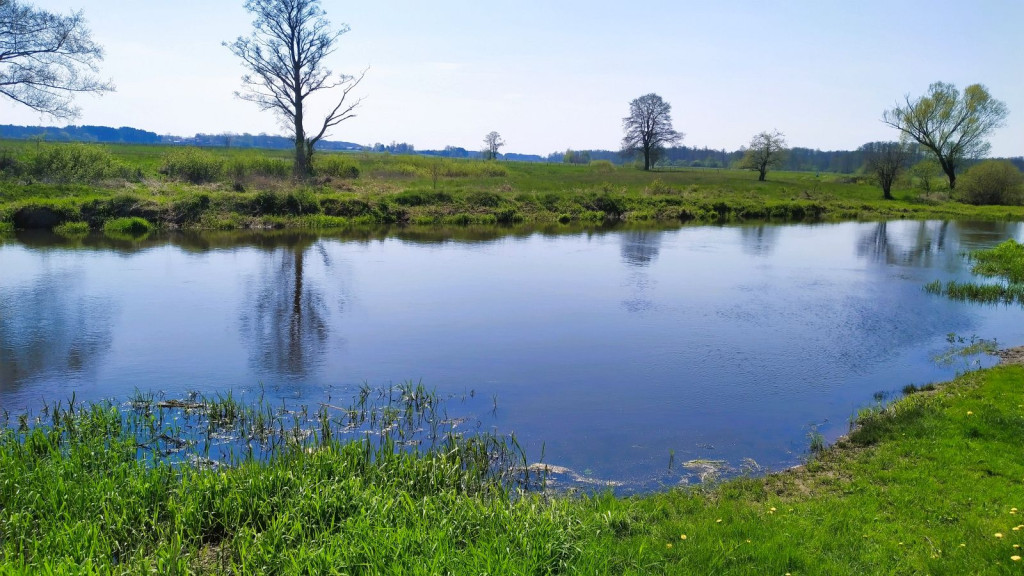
{"x": 552, "y": 75}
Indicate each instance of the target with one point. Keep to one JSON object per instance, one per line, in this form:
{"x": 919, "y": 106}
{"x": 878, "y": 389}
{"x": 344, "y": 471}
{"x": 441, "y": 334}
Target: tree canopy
{"x": 953, "y": 126}
{"x": 649, "y": 127}
{"x": 767, "y": 150}
{"x": 286, "y": 59}
{"x": 46, "y": 59}
{"x": 492, "y": 143}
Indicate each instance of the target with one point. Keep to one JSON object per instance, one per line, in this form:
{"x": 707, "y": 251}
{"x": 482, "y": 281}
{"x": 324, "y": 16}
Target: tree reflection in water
{"x": 285, "y": 322}
{"x": 48, "y": 327}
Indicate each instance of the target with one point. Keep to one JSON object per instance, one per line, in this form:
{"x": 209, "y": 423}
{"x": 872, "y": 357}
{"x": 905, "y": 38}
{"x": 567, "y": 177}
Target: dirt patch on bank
{"x": 1012, "y": 355}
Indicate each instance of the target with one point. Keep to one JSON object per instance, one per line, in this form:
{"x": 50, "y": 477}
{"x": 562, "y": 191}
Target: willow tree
{"x": 285, "y": 56}
{"x": 951, "y": 125}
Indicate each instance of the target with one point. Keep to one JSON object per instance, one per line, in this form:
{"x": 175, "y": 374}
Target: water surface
{"x": 605, "y": 350}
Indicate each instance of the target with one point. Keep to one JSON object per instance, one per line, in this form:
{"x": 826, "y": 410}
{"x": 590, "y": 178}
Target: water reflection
{"x": 640, "y": 247}
{"x": 284, "y": 321}
{"x": 915, "y": 244}
{"x": 759, "y": 240}
{"x": 51, "y": 327}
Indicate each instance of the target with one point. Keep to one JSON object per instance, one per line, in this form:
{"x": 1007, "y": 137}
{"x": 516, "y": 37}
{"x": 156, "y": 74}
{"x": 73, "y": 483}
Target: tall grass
{"x": 192, "y": 165}
{"x": 1005, "y": 263}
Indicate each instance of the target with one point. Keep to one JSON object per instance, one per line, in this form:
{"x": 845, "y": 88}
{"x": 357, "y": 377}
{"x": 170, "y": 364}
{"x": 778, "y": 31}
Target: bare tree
{"x": 46, "y": 58}
{"x": 286, "y": 57}
{"x": 767, "y": 150}
{"x": 492, "y": 142}
{"x": 649, "y": 127}
{"x": 952, "y": 126}
{"x": 885, "y": 160}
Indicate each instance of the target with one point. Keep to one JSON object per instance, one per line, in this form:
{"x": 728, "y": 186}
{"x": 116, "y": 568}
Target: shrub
{"x": 925, "y": 171}
{"x": 258, "y": 165}
{"x": 127, "y": 226}
{"x": 335, "y": 166}
{"x": 992, "y": 182}
{"x": 602, "y": 165}
{"x": 192, "y": 165}
{"x": 74, "y": 162}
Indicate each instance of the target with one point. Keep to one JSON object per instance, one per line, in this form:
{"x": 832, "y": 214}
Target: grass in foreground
{"x": 932, "y": 484}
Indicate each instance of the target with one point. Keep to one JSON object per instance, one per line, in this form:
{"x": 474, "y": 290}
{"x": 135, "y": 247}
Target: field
{"x": 45, "y": 185}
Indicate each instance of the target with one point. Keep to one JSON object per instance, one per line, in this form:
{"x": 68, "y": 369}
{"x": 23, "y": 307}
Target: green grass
{"x": 133, "y": 226}
{"x": 1005, "y": 263}
{"x": 922, "y": 486}
{"x": 166, "y": 182}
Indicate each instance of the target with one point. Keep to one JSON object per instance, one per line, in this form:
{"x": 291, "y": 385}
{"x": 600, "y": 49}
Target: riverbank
{"x": 933, "y": 483}
{"x": 173, "y": 188}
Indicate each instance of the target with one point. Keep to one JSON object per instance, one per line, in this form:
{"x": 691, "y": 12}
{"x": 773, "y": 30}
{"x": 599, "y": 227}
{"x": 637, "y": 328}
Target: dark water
{"x": 609, "y": 350}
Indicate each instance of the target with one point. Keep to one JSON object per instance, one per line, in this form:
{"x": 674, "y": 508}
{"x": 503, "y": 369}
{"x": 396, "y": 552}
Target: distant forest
{"x": 797, "y": 159}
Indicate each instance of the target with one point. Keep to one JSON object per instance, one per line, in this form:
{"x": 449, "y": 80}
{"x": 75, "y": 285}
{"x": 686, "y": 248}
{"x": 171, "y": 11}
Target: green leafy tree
{"x": 767, "y": 150}
{"x": 46, "y": 59}
{"x": 953, "y": 126}
{"x": 925, "y": 171}
{"x": 286, "y": 57}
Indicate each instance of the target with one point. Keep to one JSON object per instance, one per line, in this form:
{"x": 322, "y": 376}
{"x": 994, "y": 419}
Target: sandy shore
{"x": 1012, "y": 355}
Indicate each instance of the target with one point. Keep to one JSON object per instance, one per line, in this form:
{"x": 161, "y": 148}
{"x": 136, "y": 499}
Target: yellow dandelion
{"x": 719, "y": 521}
{"x": 962, "y": 545}
{"x": 969, "y": 413}
{"x": 1017, "y": 528}
{"x": 1016, "y": 545}
{"x": 998, "y": 534}
{"x": 669, "y": 545}
{"x": 900, "y": 544}
{"x": 682, "y": 536}
{"x": 1015, "y": 558}
{"x": 773, "y": 508}
{"x": 748, "y": 541}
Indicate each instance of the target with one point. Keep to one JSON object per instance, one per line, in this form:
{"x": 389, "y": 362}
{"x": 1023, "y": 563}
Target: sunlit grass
{"x": 367, "y": 188}
{"x": 930, "y": 484}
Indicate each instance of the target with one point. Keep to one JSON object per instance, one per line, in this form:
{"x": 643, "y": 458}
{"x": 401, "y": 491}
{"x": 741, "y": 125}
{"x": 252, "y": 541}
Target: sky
{"x": 550, "y": 75}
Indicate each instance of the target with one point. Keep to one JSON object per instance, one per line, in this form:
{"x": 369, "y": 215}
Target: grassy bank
{"x": 46, "y": 185}
{"x": 932, "y": 484}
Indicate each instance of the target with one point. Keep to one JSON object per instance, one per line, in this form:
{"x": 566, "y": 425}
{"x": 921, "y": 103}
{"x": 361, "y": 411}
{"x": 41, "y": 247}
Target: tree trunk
{"x": 761, "y": 174}
{"x": 647, "y": 158}
{"x": 950, "y": 171}
{"x": 886, "y": 194}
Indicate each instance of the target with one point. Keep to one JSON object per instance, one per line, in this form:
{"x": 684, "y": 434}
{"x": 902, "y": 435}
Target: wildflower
{"x": 669, "y": 545}
{"x": 1016, "y": 545}
{"x": 999, "y": 534}
{"x": 969, "y": 413}
{"x": 1015, "y": 558}
{"x": 682, "y": 536}
{"x": 962, "y": 545}
{"x": 719, "y": 521}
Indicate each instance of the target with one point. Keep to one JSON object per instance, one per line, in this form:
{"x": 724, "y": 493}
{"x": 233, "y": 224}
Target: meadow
{"x": 45, "y": 185}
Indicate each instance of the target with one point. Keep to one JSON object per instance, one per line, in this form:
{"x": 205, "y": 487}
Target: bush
{"x": 992, "y": 182}
{"x": 75, "y": 162}
{"x": 335, "y": 166}
{"x": 258, "y": 165}
{"x": 192, "y": 165}
{"x": 602, "y": 165}
{"x": 127, "y": 226}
